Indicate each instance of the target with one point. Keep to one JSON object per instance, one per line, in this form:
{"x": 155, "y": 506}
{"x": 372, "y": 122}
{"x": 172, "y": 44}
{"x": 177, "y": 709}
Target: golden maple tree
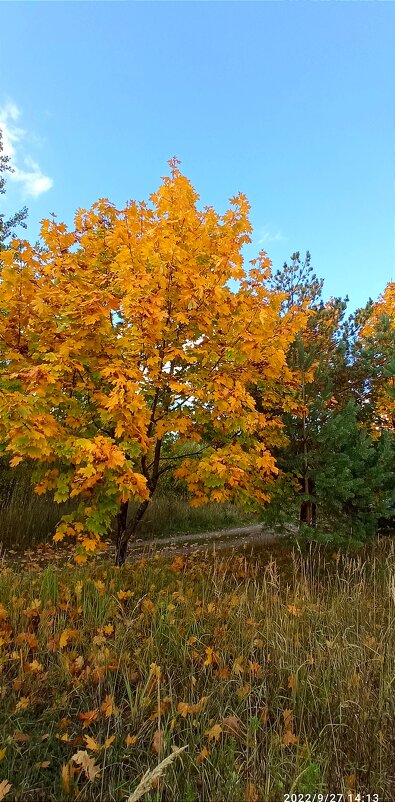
{"x": 121, "y": 340}
{"x": 377, "y": 339}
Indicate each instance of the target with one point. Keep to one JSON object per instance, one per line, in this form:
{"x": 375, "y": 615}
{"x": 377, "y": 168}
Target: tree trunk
{"x": 308, "y": 507}
{"x": 124, "y": 532}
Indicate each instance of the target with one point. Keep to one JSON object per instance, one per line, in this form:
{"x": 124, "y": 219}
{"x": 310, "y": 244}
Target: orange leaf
{"x": 202, "y": 756}
{"x": 183, "y": 709}
{"x": 108, "y": 706}
{"x": 88, "y": 717}
{"x": 289, "y": 738}
{"x": 251, "y": 794}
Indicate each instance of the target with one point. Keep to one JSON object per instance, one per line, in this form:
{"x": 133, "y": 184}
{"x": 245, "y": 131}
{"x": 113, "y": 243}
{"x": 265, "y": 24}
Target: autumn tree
{"x": 376, "y": 347}
{"x": 122, "y": 340}
{"x": 7, "y": 226}
{"x": 7, "y": 229}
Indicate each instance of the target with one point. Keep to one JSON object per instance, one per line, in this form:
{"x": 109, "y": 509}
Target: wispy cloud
{"x": 26, "y": 171}
{"x": 266, "y": 235}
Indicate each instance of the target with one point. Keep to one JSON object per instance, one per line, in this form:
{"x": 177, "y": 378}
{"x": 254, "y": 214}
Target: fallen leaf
{"x": 35, "y": 666}
{"x": 108, "y": 706}
{"x": 288, "y": 718}
{"x": 108, "y": 629}
{"x": 109, "y": 741}
{"x": 264, "y": 715}
{"x": 88, "y": 717}
{"x": 158, "y": 742}
{"x": 5, "y": 786}
{"x": 22, "y": 704}
{"x": 251, "y": 794}
{"x": 202, "y": 756}
{"x": 289, "y": 738}
{"x": 183, "y": 709}
{"x": 67, "y": 635}
{"x": 231, "y": 725}
{"x": 292, "y": 682}
{"x": 20, "y": 737}
{"x": 214, "y": 733}
{"x": 88, "y": 765}
{"x": 130, "y": 740}
{"x": 91, "y": 743}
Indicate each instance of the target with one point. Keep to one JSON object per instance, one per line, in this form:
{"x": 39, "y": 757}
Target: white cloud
{"x": 265, "y": 236}
{"x": 26, "y": 171}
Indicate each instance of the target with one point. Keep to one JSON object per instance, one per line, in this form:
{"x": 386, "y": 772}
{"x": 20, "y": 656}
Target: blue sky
{"x": 291, "y": 103}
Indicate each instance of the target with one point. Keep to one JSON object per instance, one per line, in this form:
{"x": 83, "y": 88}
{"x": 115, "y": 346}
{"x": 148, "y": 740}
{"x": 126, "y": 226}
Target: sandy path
{"x": 201, "y": 541}
{"x": 218, "y": 540}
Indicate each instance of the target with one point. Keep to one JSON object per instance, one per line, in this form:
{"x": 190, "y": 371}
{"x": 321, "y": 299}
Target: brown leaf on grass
{"x": 264, "y": 715}
{"x": 88, "y": 765}
{"x": 108, "y": 706}
{"x": 130, "y": 740}
{"x": 91, "y": 744}
{"x": 88, "y": 717}
{"x": 45, "y": 764}
{"x": 231, "y": 726}
{"x": 214, "y": 733}
{"x": 251, "y": 794}
{"x": 158, "y": 742}
{"x": 23, "y": 703}
{"x": 244, "y": 690}
{"x": 183, "y": 709}
{"x": 20, "y": 737}
{"x": 293, "y": 682}
{"x": 5, "y": 786}
{"x": 202, "y": 756}
{"x": 289, "y": 738}
{"x": 288, "y": 718}
{"x": 35, "y": 666}
{"x": 67, "y": 635}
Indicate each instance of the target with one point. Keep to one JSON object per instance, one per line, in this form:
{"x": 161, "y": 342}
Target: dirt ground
{"x": 216, "y": 540}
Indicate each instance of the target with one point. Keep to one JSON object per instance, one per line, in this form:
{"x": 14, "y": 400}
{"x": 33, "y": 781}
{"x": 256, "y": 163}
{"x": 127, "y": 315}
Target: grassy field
{"x": 275, "y": 672}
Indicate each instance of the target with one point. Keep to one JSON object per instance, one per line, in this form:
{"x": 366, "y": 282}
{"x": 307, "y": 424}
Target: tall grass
{"x": 277, "y": 674}
{"x": 27, "y": 519}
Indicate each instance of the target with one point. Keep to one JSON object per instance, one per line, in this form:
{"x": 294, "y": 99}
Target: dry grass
{"x": 275, "y": 674}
